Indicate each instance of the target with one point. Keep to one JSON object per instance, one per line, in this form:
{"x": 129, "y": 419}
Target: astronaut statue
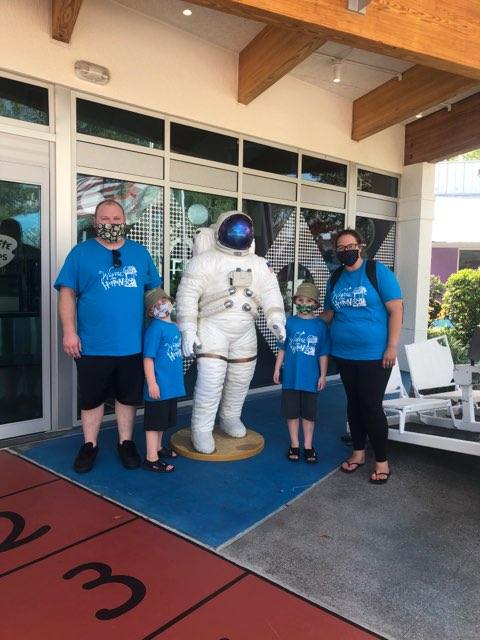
{"x": 221, "y": 290}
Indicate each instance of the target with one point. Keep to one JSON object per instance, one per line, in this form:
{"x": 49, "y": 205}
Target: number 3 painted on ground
{"x": 18, "y": 525}
{"x": 105, "y": 577}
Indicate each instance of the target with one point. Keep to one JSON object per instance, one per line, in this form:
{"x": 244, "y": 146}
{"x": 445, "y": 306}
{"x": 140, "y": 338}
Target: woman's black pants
{"x": 365, "y": 382}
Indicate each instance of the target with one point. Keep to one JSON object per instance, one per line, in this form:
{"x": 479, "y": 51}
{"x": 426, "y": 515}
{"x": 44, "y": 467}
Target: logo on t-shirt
{"x": 173, "y": 349}
{"x": 303, "y": 343}
{"x": 126, "y": 277}
{"x": 350, "y": 297}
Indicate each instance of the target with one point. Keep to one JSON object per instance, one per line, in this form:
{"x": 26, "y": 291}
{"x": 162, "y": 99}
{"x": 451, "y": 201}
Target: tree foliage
{"x": 461, "y": 302}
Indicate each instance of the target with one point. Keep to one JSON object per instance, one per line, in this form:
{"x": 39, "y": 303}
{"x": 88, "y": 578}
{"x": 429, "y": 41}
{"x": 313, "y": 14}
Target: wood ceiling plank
{"x": 271, "y": 55}
{"x": 444, "y": 133}
{"x": 64, "y": 17}
{"x": 397, "y": 100}
{"x": 439, "y": 34}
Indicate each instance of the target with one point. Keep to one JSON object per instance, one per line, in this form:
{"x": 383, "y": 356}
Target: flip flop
{"x": 357, "y": 465}
{"x": 380, "y": 480}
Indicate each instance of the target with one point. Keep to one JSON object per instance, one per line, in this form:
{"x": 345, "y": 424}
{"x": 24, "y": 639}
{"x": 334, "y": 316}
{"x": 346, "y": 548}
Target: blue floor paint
{"x": 212, "y": 502}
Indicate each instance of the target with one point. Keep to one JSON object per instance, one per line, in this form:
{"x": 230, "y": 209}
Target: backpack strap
{"x": 371, "y": 270}
{"x": 335, "y": 277}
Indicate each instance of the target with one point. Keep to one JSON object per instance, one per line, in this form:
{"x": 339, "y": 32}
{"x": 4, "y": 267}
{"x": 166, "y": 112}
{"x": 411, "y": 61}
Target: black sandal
{"x": 310, "y": 456}
{"x": 378, "y": 480}
{"x": 357, "y": 466}
{"x": 159, "y": 466}
{"x": 167, "y": 452}
{"x": 293, "y": 454}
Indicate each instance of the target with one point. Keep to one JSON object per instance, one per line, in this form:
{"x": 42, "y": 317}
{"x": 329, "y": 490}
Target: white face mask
{"x": 162, "y": 310}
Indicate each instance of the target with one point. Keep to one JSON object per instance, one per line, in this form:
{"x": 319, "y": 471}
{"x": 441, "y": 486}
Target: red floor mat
{"x": 43, "y": 519}
{"x": 52, "y": 598}
{"x": 253, "y": 609}
{"x": 16, "y": 474}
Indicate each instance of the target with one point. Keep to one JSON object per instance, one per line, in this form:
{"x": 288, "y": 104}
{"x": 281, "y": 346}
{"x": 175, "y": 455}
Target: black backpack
{"x": 371, "y": 270}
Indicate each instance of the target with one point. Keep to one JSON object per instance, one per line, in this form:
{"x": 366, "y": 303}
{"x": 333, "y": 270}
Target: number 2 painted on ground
{"x": 105, "y": 576}
{"x": 12, "y": 540}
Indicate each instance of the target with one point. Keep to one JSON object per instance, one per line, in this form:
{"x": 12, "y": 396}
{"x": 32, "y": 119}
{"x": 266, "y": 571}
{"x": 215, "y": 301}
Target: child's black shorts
{"x": 160, "y": 415}
{"x": 299, "y": 404}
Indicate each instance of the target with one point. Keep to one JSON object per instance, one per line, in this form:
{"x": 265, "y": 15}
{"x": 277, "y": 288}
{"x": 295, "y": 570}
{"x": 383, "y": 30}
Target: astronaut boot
{"x": 233, "y": 427}
{"x": 203, "y": 441}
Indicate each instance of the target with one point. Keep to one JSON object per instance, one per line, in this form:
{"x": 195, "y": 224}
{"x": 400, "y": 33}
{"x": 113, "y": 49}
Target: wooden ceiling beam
{"x": 445, "y": 133}
{"x": 419, "y": 89}
{"x": 443, "y": 35}
{"x": 64, "y": 17}
{"x": 271, "y": 55}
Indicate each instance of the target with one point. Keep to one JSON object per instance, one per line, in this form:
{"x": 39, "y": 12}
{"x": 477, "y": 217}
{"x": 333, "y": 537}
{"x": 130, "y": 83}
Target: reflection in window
{"x": 274, "y": 229}
{"x": 324, "y": 171}
{"x": 190, "y": 210}
{"x": 325, "y": 227}
{"x": 104, "y": 121}
{"x": 379, "y": 237}
{"x": 143, "y": 205}
{"x": 469, "y": 259}
{"x": 20, "y": 303}
{"x": 263, "y": 158}
{"x": 379, "y": 183}
{"x": 23, "y": 101}
{"x": 199, "y": 143}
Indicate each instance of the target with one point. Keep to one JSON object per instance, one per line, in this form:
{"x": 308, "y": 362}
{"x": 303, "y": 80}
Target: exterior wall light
{"x": 91, "y": 72}
{"x": 187, "y": 12}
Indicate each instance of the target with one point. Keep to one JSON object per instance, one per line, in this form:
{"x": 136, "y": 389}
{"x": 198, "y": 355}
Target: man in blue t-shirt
{"x": 101, "y": 287}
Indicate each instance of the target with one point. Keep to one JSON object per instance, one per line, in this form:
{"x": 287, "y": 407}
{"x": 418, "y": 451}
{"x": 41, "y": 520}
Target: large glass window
{"x": 379, "y": 237}
{"x": 23, "y": 101}
{"x": 190, "y": 210}
{"x": 274, "y": 229}
{"x": 263, "y": 158}
{"x": 379, "y": 183}
{"x": 199, "y": 143}
{"x": 469, "y": 259}
{"x": 104, "y": 121}
{"x": 324, "y": 171}
{"x": 324, "y": 227}
{"x": 143, "y": 205}
{"x": 20, "y": 303}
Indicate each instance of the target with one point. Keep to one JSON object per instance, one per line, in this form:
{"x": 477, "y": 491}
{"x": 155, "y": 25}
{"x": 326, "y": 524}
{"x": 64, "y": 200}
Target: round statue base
{"x": 227, "y": 448}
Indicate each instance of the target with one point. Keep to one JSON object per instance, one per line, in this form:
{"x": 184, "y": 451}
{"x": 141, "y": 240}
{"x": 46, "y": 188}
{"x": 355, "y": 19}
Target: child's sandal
{"x": 293, "y": 454}
{"x": 310, "y": 456}
{"x": 167, "y": 452}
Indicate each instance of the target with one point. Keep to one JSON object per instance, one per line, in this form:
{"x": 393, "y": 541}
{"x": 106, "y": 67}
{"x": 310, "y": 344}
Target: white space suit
{"x": 217, "y": 301}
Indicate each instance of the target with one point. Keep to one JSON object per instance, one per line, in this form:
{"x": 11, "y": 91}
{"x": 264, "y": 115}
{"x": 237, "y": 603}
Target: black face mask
{"x": 348, "y": 257}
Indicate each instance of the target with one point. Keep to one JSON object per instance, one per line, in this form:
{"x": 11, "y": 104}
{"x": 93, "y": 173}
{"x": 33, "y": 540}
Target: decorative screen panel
{"x": 379, "y": 236}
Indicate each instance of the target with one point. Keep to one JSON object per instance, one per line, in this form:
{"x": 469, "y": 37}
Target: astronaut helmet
{"x": 234, "y": 233}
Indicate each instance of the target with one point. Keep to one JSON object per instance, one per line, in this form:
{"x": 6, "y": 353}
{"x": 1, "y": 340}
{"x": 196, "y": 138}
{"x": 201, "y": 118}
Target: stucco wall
{"x": 444, "y": 262}
{"x": 158, "y": 67}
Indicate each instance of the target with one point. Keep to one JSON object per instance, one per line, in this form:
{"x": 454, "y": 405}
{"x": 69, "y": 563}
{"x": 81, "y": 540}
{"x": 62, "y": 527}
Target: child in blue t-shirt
{"x": 163, "y": 365}
{"x": 304, "y": 356}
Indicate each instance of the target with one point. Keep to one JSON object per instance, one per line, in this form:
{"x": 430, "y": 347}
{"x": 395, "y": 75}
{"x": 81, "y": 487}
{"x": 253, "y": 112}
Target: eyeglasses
{"x": 116, "y": 258}
{"x": 347, "y": 247}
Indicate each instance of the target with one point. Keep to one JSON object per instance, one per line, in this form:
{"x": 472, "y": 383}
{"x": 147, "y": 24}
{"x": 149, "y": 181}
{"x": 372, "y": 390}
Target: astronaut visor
{"x": 236, "y": 232}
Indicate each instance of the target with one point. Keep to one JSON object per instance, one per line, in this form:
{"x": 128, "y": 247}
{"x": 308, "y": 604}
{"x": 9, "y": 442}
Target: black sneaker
{"x": 129, "y": 455}
{"x": 85, "y": 458}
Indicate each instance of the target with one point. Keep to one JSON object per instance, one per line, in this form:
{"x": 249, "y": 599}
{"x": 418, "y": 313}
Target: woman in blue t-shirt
{"x": 364, "y": 306}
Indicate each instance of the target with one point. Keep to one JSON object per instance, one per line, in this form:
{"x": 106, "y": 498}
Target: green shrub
{"x": 458, "y": 349}
{"x": 461, "y": 303}
{"x": 437, "y": 291}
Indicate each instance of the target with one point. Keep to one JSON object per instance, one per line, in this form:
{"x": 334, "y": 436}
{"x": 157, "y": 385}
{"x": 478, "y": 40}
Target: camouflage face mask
{"x": 306, "y": 308}
{"x": 111, "y": 232}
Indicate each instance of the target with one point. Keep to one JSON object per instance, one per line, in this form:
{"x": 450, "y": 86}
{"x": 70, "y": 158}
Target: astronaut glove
{"x": 190, "y": 342}
{"x": 278, "y": 330}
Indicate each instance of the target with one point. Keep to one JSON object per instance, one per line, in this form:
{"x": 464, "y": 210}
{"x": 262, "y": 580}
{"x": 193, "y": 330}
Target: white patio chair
{"x": 403, "y": 405}
{"x": 431, "y": 369}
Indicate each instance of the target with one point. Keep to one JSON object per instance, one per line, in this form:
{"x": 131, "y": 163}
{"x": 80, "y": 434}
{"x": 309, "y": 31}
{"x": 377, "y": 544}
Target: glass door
{"x": 24, "y": 301}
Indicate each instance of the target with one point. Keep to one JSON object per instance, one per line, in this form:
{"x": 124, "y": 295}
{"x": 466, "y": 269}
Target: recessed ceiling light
{"x": 187, "y": 12}
{"x": 419, "y": 115}
{"x": 336, "y": 72}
